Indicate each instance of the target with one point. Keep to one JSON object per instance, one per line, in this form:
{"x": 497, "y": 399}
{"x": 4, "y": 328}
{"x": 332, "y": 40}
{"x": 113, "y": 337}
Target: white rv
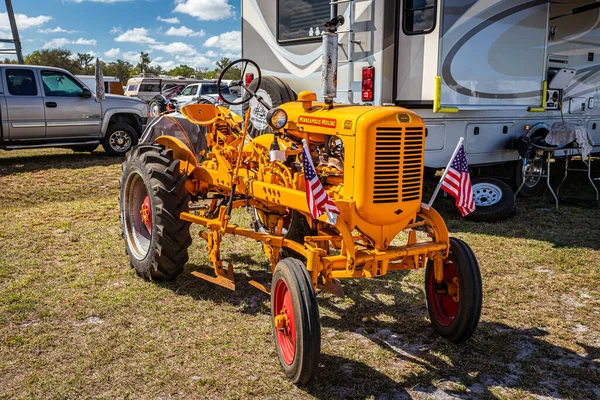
{"x": 481, "y": 69}
{"x": 157, "y": 90}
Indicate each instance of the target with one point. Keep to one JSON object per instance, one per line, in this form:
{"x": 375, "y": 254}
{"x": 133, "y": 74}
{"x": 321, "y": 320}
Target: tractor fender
{"x": 436, "y": 222}
{"x": 180, "y": 152}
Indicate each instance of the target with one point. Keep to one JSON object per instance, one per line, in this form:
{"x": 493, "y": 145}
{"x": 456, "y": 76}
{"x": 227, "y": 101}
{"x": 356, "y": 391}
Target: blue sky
{"x": 192, "y": 32}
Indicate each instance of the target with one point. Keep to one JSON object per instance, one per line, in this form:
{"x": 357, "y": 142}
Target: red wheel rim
{"x": 444, "y": 307}
{"x": 146, "y": 214}
{"x": 285, "y": 336}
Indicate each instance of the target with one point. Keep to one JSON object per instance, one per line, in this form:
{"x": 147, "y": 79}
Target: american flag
{"x": 318, "y": 200}
{"x": 457, "y": 183}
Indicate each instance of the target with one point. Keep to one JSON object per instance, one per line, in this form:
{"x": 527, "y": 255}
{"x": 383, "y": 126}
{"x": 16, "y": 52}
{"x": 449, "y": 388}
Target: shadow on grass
{"x": 496, "y": 358}
{"x": 43, "y": 162}
{"x": 249, "y": 299}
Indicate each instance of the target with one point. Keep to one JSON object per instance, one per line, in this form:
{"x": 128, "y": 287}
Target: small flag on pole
{"x": 457, "y": 182}
{"x": 318, "y": 200}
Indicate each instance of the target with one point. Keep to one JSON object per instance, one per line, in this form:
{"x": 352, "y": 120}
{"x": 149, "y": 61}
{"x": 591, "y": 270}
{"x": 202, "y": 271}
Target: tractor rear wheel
{"x": 152, "y": 197}
{"x": 295, "y": 320}
{"x": 455, "y": 306}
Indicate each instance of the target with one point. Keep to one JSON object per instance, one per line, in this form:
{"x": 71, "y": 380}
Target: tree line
{"x": 85, "y": 64}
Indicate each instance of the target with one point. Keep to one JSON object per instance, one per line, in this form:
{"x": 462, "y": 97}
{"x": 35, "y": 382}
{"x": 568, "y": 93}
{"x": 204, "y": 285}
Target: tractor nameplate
{"x": 315, "y": 121}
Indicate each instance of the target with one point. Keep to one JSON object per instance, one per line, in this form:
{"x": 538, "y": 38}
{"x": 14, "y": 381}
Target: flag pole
{"x": 439, "y": 185}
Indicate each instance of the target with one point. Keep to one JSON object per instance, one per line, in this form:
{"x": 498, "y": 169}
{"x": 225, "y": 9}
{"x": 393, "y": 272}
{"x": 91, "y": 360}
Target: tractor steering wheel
{"x": 246, "y": 93}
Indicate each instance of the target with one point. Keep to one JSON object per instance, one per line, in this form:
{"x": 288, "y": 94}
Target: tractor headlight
{"x": 277, "y": 118}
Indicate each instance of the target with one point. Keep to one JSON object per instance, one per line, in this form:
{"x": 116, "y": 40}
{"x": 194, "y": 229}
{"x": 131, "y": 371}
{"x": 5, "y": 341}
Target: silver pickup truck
{"x": 50, "y": 107}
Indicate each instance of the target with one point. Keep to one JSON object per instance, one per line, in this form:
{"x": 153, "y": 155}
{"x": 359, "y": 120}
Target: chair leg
{"x": 548, "y": 157}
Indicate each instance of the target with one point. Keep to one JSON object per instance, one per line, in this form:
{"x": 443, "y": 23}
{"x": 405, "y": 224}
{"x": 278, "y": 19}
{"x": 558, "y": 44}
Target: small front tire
{"x": 295, "y": 320}
{"x": 455, "y": 314}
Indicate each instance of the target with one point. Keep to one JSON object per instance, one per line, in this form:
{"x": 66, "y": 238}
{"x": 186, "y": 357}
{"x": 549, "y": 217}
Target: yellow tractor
{"x": 369, "y": 163}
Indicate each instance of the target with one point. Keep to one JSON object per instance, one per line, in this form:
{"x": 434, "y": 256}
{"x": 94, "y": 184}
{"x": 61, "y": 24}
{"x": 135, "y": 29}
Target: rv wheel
{"x": 494, "y": 200}
{"x": 274, "y": 92}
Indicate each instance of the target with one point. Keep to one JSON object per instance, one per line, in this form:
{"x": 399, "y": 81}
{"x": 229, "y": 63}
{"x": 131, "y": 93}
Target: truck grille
{"x": 398, "y": 160}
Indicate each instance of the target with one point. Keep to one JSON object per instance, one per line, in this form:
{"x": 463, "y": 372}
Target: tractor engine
{"x": 370, "y": 159}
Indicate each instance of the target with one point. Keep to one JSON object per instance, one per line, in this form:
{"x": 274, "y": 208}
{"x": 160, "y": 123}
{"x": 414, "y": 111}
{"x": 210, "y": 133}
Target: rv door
{"x": 493, "y": 54}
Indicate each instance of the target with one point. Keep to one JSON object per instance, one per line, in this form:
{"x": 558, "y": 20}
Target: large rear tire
{"x": 455, "y": 315}
{"x": 295, "y": 320}
{"x": 152, "y": 197}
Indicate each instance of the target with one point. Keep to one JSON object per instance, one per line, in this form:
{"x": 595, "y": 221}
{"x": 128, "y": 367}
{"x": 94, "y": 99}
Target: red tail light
{"x": 248, "y": 79}
{"x": 368, "y": 75}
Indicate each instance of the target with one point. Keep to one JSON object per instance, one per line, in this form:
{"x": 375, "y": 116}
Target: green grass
{"x": 76, "y": 322}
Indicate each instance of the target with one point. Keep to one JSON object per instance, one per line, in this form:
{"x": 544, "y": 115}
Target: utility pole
{"x": 15, "y": 35}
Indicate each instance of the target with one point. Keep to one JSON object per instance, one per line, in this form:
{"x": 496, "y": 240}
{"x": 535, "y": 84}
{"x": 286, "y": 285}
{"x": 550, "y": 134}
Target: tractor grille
{"x": 388, "y": 146}
{"x": 397, "y": 177}
{"x": 413, "y": 159}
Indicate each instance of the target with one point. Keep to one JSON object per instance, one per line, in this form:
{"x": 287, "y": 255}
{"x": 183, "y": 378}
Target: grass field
{"x": 76, "y": 322}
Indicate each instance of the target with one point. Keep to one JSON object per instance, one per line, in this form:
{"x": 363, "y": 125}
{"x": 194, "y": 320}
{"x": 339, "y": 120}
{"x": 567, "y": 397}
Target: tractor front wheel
{"x": 152, "y": 197}
{"x": 455, "y": 305}
{"x": 295, "y": 320}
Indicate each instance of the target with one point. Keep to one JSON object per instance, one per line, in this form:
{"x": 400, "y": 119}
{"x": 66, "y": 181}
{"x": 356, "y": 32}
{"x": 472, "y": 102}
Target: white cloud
{"x": 57, "y": 43}
{"x": 173, "y": 20}
{"x": 112, "y": 53}
{"x": 195, "y": 61}
{"x": 175, "y": 48}
{"x": 58, "y": 29}
{"x": 89, "y": 42}
{"x": 64, "y": 42}
{"x": 135, "y": 35}
{"x": 167, "y": 65}
{"x": 184, "y": 31}
{"x": 228, "y": 41}
{"x": 132, "y": 56}
{"x": 116, "y": 30}
{"x": 205, "y": 10}
{"x": 23, "y": 21}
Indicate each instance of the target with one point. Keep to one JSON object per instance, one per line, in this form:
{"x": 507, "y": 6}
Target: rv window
{"x": 419, "y": 16}
{"x": 150, "y": 87}
{"x": 132, "y": 88}
{"x": 301, "y": 20}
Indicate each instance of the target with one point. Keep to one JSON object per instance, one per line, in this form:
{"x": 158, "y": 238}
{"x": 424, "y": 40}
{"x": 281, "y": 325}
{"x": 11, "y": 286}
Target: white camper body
{"x": 479, "y": 69}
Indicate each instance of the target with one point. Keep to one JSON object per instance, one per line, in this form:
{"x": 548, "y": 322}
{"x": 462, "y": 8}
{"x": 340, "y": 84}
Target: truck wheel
{"x": 274, "y": 92}
{"x": 455, "y": 307}
{"x": 156, "y": 107}
{"x": 119, "y": 138}
{"x": 533, "y": 184}
{"x": 152, "y": 197}
{"x": 494, "y": 200}
{"x": 295, "y": 320}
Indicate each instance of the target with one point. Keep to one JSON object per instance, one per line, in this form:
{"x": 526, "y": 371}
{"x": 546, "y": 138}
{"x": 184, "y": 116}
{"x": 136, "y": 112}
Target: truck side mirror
{"x": 86, "y": 93}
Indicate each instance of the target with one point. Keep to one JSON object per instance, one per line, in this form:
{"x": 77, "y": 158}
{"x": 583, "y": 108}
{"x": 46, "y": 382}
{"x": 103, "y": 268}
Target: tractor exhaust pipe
{"x": 330, "y": 59}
